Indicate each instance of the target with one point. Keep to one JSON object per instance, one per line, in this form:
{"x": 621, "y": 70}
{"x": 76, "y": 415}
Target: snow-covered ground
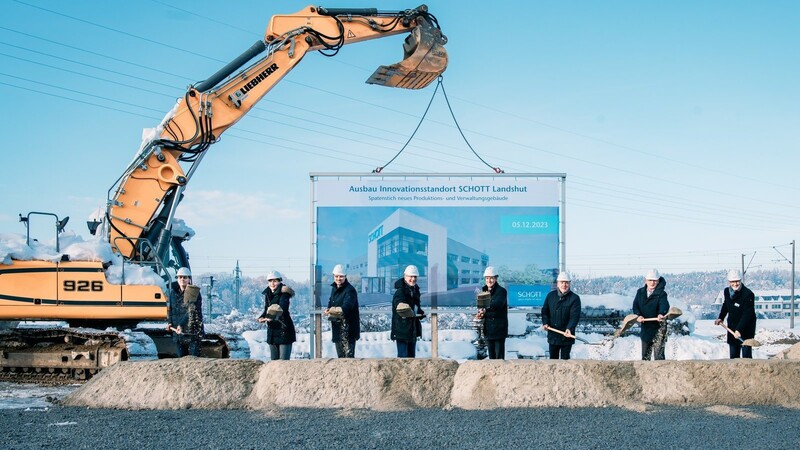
{"x": 31, "y": 396}
{"x": 707, "y": 341}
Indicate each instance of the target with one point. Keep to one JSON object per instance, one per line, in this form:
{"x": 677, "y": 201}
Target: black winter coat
{"x": 495, "y": 319}
{"x": 740, "y": 307}
{"x": 280, "y": 331}
{"x": 406, "y": 329}
{"x": 561, "y": 313}
{"x": 188, "y": 317}
{"x": 346, "y": 298}
{"x": 649, "y": 307}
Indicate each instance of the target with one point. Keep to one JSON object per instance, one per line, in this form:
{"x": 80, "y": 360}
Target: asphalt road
{"x": 655, "y": 428}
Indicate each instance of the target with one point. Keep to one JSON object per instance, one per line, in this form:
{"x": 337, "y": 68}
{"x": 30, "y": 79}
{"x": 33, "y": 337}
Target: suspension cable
{"x": 495, "y": 169}
{"x": 379, "y": 169}
{"x": 439, "y": 82}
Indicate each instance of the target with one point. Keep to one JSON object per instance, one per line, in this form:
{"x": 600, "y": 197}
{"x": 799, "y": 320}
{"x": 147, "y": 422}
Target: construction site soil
{"x": 404, "y": 384}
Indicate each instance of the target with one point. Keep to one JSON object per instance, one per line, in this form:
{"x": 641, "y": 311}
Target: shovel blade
{"x": 627, "y": 322}
{"x": 424, "y": 60}
{"x": 751, "y": 343}
{"x": 673, "y": 313}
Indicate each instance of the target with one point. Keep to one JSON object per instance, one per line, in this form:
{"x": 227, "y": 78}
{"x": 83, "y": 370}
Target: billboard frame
{"x": 315, "y": 275}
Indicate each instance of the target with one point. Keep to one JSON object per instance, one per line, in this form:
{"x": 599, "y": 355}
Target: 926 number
{"x": 83, "y": 286}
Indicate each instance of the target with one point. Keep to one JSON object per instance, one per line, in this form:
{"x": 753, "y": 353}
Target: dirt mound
{"x": 379, "y": 384}
{"x": 398, "y": 384}
{"x": 792, "y": 352}
{"x": 631, "y": 384}
{"x": 525, "y": 384}
{"x": 198, "y": 383}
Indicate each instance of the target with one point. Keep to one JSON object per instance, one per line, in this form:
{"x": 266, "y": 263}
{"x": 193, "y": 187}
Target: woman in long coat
{"x": 346, "y": 329}
{"x": 280, "y": 328}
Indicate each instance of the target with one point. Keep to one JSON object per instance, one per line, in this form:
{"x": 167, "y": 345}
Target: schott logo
{"x": 376, "y": 234}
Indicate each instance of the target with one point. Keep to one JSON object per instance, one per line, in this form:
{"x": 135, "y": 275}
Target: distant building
{"x": 777, "y": 304}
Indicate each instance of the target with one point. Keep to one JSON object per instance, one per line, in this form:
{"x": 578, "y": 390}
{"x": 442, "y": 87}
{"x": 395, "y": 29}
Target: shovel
{"x": 573, "y": 336}
{"x": 631, "y": 319}
{"x": 745, "y": 342}
{"x": 627, "y": 322}
{"x": 672, "y": 313}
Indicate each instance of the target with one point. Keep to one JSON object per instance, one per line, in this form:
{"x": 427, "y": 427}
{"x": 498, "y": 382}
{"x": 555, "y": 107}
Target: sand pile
{"x": 396, "y": 384}
{"x": 379, "y": 384}
{"x": 199, "y": 383}
{"x": 524, "y": 384}
{"x": 792, "y": 352}
{"x": 510, "y": 384}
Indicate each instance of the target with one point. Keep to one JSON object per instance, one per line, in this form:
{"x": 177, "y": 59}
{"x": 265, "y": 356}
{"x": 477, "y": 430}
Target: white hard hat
{"x": 734, "y": 275}
{"x": 184, "y": 272}
{"x": 563, "y": 276}
{"x": 652, "y": 274}
{"x": 274, "y": 275}
{"x": 339, "y": 270}
{"x": 490, "y": 272}
{"x": 411, "y": 271}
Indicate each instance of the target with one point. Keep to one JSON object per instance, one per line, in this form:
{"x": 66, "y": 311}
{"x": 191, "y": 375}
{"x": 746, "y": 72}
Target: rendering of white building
{"x": 404, "y": 239}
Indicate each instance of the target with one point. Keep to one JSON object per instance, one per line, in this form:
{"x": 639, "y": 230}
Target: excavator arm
{"x": 143, "y": 201}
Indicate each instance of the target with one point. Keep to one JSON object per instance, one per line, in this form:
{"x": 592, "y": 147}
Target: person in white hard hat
{"x": 561, "y": 311}
{"x": 345, "y": 330}
{"x": 406, "y": 330}
{"x": 185, "y": 317}
{"x": 740, "y": 307}
{"x": 495, "y": 316}
{"x": 280, "y": 330}
{"x": 651, "y": 302}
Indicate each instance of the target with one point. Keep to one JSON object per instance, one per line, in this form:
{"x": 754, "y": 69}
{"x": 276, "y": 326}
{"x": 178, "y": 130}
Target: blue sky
{"x": 675, "y": 122}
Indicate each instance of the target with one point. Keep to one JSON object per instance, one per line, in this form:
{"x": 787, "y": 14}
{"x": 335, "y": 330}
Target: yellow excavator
{"x": 140, "y": 213}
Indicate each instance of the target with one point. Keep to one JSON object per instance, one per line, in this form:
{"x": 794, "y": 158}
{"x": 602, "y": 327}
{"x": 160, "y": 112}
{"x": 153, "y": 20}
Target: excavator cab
{"x": 424, "y": 59}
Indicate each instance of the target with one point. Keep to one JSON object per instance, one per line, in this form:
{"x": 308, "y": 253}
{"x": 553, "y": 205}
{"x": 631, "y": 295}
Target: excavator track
{"x": 57, "y": 355}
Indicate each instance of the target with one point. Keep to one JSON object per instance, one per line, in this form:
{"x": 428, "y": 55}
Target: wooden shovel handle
{"x": 571, "y": 336}
{"x": 722, "y": 324}
{"x": 653, "y": 319}
{"x": 563, "y": 333}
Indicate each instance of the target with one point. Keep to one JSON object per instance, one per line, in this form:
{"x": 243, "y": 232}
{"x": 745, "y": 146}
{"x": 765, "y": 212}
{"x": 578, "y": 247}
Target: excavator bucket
{"x": 424, "y": 60}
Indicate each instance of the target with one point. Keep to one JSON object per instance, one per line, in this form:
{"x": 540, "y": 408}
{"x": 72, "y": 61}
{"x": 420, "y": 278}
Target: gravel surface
{"x": 679, "y": 428}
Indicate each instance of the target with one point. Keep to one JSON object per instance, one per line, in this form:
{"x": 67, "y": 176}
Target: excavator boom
{"x": 144, "y": 200}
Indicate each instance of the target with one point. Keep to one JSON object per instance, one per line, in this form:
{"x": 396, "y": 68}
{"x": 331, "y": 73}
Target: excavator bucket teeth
{"x": 425, "y": 59}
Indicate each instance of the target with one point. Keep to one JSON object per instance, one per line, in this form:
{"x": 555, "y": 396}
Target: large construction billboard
{"x": 450, "y": 226}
